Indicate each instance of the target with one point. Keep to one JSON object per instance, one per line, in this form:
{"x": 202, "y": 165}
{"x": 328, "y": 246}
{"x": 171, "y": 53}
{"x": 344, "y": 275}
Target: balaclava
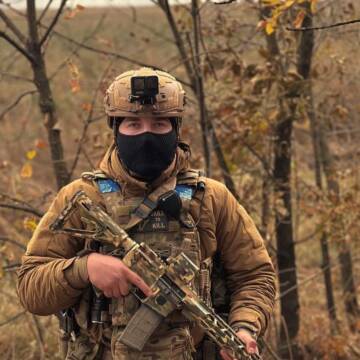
{"x": 147, "y": 154}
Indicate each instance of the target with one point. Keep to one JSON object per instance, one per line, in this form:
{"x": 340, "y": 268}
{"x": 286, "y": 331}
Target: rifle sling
{"x": 150, "y": 203}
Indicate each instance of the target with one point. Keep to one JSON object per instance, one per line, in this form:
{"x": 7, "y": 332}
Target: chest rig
{"x": 163, "y": 221}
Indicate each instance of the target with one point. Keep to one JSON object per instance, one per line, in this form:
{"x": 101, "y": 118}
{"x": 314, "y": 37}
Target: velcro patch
{"x": 157, "y": 221}
{"x": 185, "y": 192}
{"x": 107, "y": 185}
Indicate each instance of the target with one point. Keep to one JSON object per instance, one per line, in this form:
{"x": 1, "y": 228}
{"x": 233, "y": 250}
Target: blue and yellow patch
{"x": 107, "y": 185}
{"x": 185, "y": 192}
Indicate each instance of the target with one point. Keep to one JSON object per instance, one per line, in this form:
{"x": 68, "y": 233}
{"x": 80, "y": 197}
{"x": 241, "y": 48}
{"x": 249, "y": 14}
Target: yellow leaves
{"x": 279, "y": 7}
{"x": 75, "y": 77}
{"x": 26, "y": 171}
{"x": 30, "y": 224}
{"x": 313, "y": 6}
{"x": 31, "y": 154}
{"x": 263, "y": 127}
{"x": 73, "y": 12}
{"x": 269, "y": 28}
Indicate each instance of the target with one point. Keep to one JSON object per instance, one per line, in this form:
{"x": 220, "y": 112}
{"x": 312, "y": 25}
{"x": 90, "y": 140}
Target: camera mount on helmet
{"x": 144, "y": 89}
{"x": 144, "y": 92}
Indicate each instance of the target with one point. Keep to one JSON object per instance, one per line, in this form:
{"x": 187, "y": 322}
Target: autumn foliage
{"x": 245, "y": 79}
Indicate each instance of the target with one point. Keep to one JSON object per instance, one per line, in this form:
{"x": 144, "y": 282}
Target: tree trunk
{"x": 199, "y": 83}
{"x": 207, "y": 126}
{"x": 47, "y": 107}
{"x": 265, "y": 206}
{"x": 326, "y": 262}
{"x": 46, "y": 102}
{"x": 337, "y": 226}
{"x": 286, "y": 259}
{"x": 284, "y": 233}
{"x": 305, "y": 54}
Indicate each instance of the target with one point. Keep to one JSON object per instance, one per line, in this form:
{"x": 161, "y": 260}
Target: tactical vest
{"x": 146, "y": 220}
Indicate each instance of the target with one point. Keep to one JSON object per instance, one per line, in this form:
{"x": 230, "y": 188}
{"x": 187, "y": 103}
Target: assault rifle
{"x": 169, "y": 280}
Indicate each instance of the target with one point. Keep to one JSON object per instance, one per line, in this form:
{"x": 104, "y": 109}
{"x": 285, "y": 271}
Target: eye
{"x": 133, "y": 124}
{"x": 161, "y": 123}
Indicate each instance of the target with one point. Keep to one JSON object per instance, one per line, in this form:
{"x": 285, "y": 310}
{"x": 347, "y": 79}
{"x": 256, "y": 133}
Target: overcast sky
{"x": 41, "y": 3}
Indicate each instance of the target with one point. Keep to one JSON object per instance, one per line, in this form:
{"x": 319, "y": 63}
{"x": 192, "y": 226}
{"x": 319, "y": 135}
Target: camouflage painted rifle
{"x": 169, "y": 281}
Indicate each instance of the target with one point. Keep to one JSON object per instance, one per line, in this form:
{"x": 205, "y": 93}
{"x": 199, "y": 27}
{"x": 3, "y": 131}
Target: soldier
{"x": 147, "y": 165}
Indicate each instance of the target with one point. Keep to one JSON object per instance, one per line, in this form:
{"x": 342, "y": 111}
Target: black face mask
{"x": 147, "y": 154}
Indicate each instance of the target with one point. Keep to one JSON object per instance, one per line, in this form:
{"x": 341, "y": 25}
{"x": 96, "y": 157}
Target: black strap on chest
{"x": 172, "y": 196}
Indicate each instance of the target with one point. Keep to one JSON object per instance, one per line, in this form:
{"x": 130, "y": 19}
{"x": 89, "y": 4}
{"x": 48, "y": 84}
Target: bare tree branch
{"x": 32, "y": 23}
{"x": 15, "y": 77}
{"x": 89, "y": 118}
{"x": 164, "y": 5}
{"x": 266, "y": 166}
{"x": 76, "y": 50}
{"x": 270, "y": 349}
{"x": 103, "y": 52}
{"x": 22, "y": 208}
{"x": 23, "y": 204}
{"x": 143, "y": 25}
{"x": 13, "y": 318}
{"x": 17, "y": 46}
{"x": 12, "y": 27}
{"x": 311, "y": 278}
{"x": 224, "y": 2}
{"x": 11, "y": 241}
{"x": 53, "y": 23}
{"x": 92, "y": 165}
{"x": 17, "y": 100}
{"x": 342, "y": 23}
{"x": 208, "y": 59}
{"x": 113, "y": 54}
{"x": 46, "y": 8}
{"x": 39, "y": 331}
{"x": 17, "y": 200}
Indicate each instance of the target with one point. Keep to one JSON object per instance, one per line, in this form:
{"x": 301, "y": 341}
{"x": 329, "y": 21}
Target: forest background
{"x": 272, "y": 113}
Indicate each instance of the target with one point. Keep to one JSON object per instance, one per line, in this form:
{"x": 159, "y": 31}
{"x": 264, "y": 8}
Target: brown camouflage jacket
{"x": 52, "y": 277}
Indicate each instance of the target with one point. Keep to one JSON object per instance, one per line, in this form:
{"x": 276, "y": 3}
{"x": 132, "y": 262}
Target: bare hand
{"x": 113, "y": 277}
{"x": 250, "y": 342}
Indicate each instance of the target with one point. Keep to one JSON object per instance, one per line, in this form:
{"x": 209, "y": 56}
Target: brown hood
{"x": 112, "y": 166}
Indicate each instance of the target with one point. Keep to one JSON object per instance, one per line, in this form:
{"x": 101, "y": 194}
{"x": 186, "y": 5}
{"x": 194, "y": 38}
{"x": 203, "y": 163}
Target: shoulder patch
{"x": 185, "y": 192}
{"x": 107, "y": 185}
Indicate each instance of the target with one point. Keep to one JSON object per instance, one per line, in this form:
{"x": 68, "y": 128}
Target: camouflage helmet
{"x": 119, "y": 101}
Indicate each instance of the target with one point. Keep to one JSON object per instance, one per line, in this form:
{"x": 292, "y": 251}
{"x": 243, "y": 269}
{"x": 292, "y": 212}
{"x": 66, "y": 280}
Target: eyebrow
{"x": 155, "y": 119}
